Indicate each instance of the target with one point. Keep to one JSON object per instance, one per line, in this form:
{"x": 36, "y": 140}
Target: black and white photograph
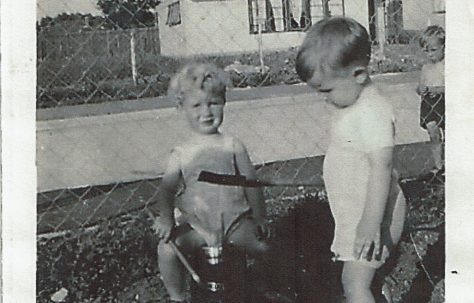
{"x": 238, "y": 151}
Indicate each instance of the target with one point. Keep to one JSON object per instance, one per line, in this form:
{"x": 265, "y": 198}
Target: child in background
{"x": 206, "y": 209}
{"x": 431, "y": 90}
{"x": 366, "y": 202}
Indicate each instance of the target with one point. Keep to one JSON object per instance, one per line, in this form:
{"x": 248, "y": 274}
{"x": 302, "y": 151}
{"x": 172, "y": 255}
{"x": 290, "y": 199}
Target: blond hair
{"x": 433, "y": 31}
{"x": 198, "y": 76}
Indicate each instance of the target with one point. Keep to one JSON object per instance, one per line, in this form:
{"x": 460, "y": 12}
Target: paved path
{"x": 114, "y": 145}
{"x": 239, "y": 94}
{"x": 84, "y": 207}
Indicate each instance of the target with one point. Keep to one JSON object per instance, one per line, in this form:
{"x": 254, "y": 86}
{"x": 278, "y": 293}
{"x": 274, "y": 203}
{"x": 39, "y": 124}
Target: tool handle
{"x": 179, "y": 254}
{"x": 185, "y": 262}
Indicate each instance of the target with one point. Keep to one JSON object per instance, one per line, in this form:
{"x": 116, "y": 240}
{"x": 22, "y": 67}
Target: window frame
{"x": 325, "y": 5}
{"x": 172, "y": 8}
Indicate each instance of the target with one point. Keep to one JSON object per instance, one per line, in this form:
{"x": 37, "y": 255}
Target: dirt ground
{"x": 116, "y": 261}
{"x": 300, "y": 266}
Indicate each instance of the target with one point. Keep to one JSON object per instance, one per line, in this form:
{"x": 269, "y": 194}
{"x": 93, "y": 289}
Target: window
{"x": 174, "y": 14}
{"x": 290, "y": 15}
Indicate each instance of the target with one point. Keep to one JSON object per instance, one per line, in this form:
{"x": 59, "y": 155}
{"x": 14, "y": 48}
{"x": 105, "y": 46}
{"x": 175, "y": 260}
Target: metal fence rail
{"x": 94, "y": 237}
{"x": 85, "y": 64}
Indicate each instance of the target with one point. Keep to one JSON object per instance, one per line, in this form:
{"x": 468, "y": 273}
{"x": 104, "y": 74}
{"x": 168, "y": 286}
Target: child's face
{"x": 434, "y": 50}
{"x": 340, "y": 89}
{"x": 203, "y": 111}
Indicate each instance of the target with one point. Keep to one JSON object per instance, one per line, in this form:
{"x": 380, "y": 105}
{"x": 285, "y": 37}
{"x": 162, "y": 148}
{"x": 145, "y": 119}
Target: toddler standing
{"x": 366, "y": 202}
{"x": 431, "y": 90}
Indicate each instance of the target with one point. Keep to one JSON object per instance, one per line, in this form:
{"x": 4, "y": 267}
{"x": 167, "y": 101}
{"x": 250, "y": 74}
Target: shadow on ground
{"x": 298, "y": 265}
{"x": 115, "y": 259}
{"x": 301, "y": 254}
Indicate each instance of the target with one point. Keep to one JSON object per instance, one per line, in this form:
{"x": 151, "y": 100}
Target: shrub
{"x": 82, "y": 80}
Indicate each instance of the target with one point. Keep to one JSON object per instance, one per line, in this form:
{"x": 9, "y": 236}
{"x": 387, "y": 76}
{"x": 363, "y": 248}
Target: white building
{"x": 195, "y": 27}
{"x": 417, "y": 14}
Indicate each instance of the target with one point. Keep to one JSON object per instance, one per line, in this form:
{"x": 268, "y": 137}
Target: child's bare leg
{"x": 441, "y": 145}
{"x": 387, "y": 293}
{"x": 245, "y": 237}
{"x": 435, "y": 136}
{"x": 356, "y": 281}
{"x": 172, "y": 270}
{"x": 380, "y": 289}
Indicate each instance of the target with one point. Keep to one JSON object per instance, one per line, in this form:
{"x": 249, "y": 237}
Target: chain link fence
{"x": 105, "y": 127}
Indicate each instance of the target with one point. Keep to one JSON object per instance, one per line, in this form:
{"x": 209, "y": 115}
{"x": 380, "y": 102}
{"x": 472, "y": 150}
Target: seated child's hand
{"x": 366, "y": 235}
{"x": 163, "y": 228}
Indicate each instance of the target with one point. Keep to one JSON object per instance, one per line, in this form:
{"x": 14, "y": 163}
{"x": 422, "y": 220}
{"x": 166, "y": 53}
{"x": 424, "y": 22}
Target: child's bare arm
{"x": 378, "y": 187}
{"x": 436, "y": 89}
{"x": 422, "y": 89}
{"x": 169, "y": 183}
{"x": 254, "y": 194}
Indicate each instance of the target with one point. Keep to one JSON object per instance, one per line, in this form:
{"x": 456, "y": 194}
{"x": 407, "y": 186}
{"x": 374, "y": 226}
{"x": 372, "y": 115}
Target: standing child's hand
{"x": 263, "y": 228}
{"x": 163, "y": 228}
{"x": 422, "y": 90}
{"x": 367, "y": 235}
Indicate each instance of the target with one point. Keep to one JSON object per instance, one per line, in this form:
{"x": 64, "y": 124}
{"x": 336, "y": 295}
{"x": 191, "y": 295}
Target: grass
{"x": 116, "y": 261}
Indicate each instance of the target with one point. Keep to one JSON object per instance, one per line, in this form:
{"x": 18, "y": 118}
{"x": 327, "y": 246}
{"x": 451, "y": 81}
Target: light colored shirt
{"x": 432, "y": 74}
{"x": 356, "y": 131}
{"x": 206, "y": 201}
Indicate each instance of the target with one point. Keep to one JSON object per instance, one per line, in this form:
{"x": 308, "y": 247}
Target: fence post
{"x": 260, "y": 43}
{"x": 133, "y": 58}
{"x": 259, "y": 16}
{"x": 380, "y": 19}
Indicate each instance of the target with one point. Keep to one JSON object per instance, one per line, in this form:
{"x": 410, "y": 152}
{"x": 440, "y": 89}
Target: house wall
{"x": 418, "y": 14}
{"x": 358, "y": 10}
{"x": 216, "y": 27}
{"x": 277, "y": 124}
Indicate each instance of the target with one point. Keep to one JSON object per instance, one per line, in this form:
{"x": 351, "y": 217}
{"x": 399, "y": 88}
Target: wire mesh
{"x": 103, "y": 116}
